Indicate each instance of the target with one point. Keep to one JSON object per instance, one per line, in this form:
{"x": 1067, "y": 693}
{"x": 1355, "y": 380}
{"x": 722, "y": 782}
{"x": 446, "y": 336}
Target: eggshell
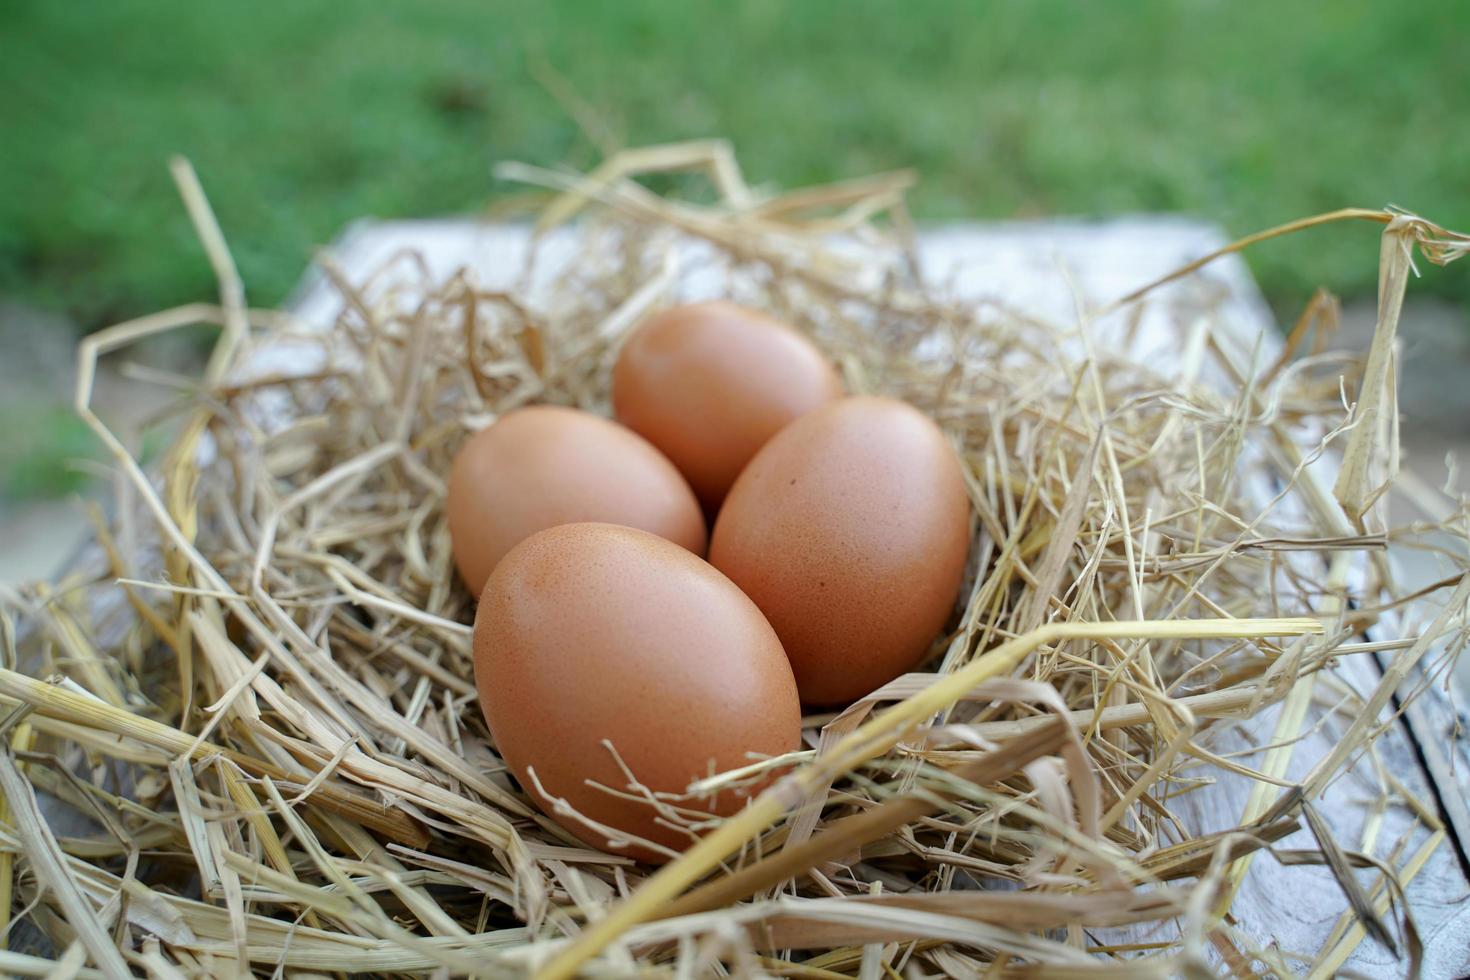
{"x": 542, "y": 466}
{"x": 592, "y": 632}
{"x": 850, "y": 530}
{"x": 709, "y": 384}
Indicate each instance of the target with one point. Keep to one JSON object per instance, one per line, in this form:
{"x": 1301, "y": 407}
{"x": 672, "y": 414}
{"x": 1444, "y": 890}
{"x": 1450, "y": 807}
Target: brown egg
{"x": 709, "y": 384}
{"x": 592, "y": 632}
{"x": 850, "y": 530}
{"x": 542, "y": 466}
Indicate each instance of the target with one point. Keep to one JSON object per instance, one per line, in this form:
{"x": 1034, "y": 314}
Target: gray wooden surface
{"x": 1043, "y": 268}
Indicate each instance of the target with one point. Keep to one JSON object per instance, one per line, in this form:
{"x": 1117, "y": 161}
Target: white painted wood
{"x": 1046, "y": 268}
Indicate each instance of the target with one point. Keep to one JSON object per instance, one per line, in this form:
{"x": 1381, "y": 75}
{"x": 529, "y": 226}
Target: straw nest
{"x": 249, "y": 739}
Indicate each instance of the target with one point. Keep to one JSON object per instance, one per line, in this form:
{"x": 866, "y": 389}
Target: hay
{"x": 260, "y": 712}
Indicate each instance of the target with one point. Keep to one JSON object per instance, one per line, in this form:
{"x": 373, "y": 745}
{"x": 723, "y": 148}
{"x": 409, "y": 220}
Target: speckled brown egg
{"x": 542, "y": 466}
{"x": 592, "y": 633}
{"x": 850, "y": 530}
{"x": 710, "y": 383}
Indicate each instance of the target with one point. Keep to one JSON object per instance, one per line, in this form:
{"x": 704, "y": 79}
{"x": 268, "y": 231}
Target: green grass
{"x": 44, "y": 455}
{"x": 302, "y": 116}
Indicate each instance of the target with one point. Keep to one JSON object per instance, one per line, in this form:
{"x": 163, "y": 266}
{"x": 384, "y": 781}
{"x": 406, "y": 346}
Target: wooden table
{"x": 1044, "y": 268}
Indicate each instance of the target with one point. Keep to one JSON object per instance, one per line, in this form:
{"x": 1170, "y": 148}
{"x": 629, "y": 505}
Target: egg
{"x": 850, "y": 530}
{"x": 542, "y": 466}
{"x": 589, "y": 634}
{"x": 710, "y": 383}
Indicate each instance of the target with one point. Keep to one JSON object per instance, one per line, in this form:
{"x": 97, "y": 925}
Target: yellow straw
{"x": 869, "y": 741}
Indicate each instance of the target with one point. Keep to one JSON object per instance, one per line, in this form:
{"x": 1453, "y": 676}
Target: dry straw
{"x": 243, "y": 737}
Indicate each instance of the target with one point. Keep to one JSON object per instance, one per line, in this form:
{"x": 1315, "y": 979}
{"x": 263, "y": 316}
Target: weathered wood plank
{"x": 1048, "y": 269}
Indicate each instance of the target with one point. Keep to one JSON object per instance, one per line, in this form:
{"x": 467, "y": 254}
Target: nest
{"x": 246, "y": 738}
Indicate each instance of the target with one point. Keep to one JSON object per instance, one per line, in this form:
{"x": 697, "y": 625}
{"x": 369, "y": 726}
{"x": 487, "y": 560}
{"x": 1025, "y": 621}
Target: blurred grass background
{"x": 303, "y": 116}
